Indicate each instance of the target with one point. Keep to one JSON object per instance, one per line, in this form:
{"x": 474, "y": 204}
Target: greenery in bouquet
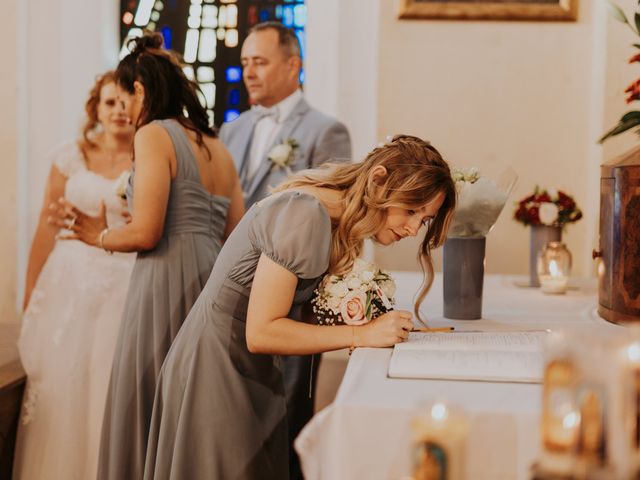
{"x": 547, "y": 207}
{"x": 353, "y": 298}
{"x": 630, "y": 119}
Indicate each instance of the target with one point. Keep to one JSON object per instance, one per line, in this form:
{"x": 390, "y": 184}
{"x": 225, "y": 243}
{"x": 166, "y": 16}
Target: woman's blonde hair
{"x": 91, "y": 108}
{"x": 416, "y": 174}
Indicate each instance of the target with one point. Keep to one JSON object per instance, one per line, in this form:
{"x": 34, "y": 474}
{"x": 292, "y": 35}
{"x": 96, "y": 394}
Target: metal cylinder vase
{"x": 463, "y": 277}
{"x": 540, "y": 236}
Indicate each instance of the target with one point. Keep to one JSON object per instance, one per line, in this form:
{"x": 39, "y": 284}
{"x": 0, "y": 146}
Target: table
{"x": 366, "y": 433}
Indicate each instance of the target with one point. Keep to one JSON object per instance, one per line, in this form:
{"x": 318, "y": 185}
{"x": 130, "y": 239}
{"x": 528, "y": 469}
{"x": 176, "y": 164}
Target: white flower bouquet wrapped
{"x": 480, "y": 201}
{"x": 354, "y": 298}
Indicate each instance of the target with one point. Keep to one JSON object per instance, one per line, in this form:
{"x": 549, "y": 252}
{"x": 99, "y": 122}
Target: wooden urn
{"x": 619, "y": 249}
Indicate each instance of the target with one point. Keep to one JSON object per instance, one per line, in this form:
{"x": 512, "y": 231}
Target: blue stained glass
{"x": 168, "y": 37}
{"x": 234, "y": 97}
{"x": 303, "y": 43}
{"x": 233, "y": 74}
{"x": 264, "y": 14}
{"x": 299, "y": 16}
{"x": 287, "y": 17}
{"x": 301, "y": 77}
{"x": 231, "y": 114}
{"x": 278, "y": 11}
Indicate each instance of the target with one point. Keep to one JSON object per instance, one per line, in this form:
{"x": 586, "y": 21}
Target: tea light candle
{"x": 560, "y": 421}
{"x": 439, "y": 443}
{"x": 555, "y": 281}
{"x": 633, "y": 412}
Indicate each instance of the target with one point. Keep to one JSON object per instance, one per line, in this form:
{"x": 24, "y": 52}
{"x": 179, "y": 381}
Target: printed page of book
{"x": 479, "y": 356}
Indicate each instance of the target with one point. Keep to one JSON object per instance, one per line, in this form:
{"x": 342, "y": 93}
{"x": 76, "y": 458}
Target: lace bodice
{"x": 86, "y": 189}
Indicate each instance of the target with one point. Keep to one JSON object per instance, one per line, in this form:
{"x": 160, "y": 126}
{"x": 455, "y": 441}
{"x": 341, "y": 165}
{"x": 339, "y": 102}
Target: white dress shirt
{"x": 267, "y": 128}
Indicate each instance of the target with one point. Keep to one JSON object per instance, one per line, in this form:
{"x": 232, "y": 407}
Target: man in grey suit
{"x": 279, "y": 135}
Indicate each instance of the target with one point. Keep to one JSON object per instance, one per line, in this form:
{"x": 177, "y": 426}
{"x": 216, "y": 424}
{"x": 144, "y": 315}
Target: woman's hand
{"x": 386, "y": 330}
{"x": 85, "y": 228}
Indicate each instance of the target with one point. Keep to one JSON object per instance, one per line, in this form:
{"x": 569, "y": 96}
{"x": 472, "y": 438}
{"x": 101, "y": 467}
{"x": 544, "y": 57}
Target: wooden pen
{"x": 433, "y": 330}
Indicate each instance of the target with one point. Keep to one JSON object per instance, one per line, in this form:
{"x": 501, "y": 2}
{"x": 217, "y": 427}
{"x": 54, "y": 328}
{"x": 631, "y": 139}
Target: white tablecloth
{"x": 365, "y": 433}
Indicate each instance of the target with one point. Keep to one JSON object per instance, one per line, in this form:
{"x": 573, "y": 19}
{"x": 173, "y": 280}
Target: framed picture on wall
{"x": 558, "y": 10}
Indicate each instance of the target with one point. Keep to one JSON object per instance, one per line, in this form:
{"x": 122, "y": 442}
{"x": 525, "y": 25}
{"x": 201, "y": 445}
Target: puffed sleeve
{"x": 294, "y": 230}
{"x": 67, "y": 158}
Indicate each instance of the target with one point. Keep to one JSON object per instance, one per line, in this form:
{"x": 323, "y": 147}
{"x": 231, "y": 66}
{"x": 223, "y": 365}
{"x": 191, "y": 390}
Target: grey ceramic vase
{"x": 463, "y": 277}
{"x": 540, "y": 236}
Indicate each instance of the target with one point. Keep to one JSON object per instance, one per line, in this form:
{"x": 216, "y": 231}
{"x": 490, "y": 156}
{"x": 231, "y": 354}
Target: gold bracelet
{"x": 103, "y": 234}
{"x": 353, "y": 340}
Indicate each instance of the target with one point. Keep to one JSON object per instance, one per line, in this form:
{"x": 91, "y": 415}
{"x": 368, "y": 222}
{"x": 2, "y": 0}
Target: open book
{"x": 481, "y": 356}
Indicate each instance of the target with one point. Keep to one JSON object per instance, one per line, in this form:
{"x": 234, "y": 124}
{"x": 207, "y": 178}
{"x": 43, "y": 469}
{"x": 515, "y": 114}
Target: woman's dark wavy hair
{"x": 168, "y": 91}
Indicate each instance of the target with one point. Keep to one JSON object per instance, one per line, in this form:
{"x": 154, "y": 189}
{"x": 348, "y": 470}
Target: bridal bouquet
{"x": 355, "y": 298}
{"x": 480, "y": 201}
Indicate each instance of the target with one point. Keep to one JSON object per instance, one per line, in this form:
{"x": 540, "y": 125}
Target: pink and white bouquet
{"x": 355, "y": 298}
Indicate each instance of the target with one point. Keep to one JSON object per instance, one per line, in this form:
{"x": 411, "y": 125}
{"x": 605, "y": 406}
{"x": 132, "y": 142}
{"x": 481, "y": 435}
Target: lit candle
{"x": 554, "y": 265}
{"x": 555, "y": 281}
{"x": 439, "y": 444}
{"x": 633, "y": 358}
{"x": 560, "y": 418}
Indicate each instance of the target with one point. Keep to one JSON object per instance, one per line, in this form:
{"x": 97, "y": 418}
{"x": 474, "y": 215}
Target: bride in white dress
{"x": 74, "y": 298}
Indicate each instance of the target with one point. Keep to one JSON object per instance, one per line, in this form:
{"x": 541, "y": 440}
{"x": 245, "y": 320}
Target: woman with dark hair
{"x": 74, "y": 296}
{"x": 185, "y": 199}
{"x": 220, "y": 409}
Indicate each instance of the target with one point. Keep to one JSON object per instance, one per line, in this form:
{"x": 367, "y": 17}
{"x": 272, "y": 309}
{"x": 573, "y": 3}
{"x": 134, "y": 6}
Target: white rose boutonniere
{"x": 283, "y": 155}
{"x": 121, "y": 184}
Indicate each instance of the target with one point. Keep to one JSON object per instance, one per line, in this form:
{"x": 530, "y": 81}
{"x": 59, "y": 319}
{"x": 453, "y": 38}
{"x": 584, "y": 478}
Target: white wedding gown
{"x": 68, "y": 339}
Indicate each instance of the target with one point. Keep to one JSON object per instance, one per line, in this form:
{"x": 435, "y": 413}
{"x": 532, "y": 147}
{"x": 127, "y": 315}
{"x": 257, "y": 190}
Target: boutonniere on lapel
{"x": 283, "y": 155}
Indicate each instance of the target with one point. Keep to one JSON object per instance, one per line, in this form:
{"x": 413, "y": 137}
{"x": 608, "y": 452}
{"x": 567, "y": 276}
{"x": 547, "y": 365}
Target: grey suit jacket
{"x": 320, "y": 137}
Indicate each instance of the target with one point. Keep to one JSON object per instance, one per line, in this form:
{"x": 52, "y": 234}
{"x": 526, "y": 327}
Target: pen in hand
{"x": 389, "y": 307}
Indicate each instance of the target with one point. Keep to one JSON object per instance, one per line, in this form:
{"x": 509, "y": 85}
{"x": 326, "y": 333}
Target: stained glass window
{"x": 209, "y": 35}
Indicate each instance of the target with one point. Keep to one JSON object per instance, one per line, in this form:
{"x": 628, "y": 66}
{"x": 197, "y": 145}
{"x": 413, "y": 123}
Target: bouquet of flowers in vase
{"x": 480, "y": 201}
{"x": 547, "y": 206}
{"x": 355, "y": 298}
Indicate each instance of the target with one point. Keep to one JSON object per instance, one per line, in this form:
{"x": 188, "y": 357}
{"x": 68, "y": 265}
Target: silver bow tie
{"x": 262, "y": 112}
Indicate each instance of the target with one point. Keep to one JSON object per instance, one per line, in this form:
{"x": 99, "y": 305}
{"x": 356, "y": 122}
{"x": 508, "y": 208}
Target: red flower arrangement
{"x": 630, "y": 119}
{"x": 547, "y": 207}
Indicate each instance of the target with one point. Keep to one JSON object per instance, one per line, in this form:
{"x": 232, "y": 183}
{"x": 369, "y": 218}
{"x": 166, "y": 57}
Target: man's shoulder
{"x": 320, "y": 121}
{"x": 229, "y": 127}
{"x": 320, "y": 118}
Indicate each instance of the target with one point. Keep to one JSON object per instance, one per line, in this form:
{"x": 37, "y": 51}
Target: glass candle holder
{"x": 439, "y": 443}
{"x": 554, "y": 267}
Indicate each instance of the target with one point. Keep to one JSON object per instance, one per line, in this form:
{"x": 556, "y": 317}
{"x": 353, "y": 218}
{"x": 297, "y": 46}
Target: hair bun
{"x": 150, "y": 40}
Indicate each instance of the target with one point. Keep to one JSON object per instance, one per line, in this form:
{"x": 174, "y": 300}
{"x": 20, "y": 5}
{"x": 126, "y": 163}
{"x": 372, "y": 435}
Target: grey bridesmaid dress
{"x": 219, "y": 410}
{"x": 165, "y": 283}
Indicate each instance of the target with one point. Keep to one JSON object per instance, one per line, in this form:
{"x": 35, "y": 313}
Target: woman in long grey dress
{"x": 219, "y": 410}
{"x": 186, "y": 200}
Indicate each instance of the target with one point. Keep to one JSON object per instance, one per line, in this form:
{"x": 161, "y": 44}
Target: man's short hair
{"x": 286, "y": 37}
